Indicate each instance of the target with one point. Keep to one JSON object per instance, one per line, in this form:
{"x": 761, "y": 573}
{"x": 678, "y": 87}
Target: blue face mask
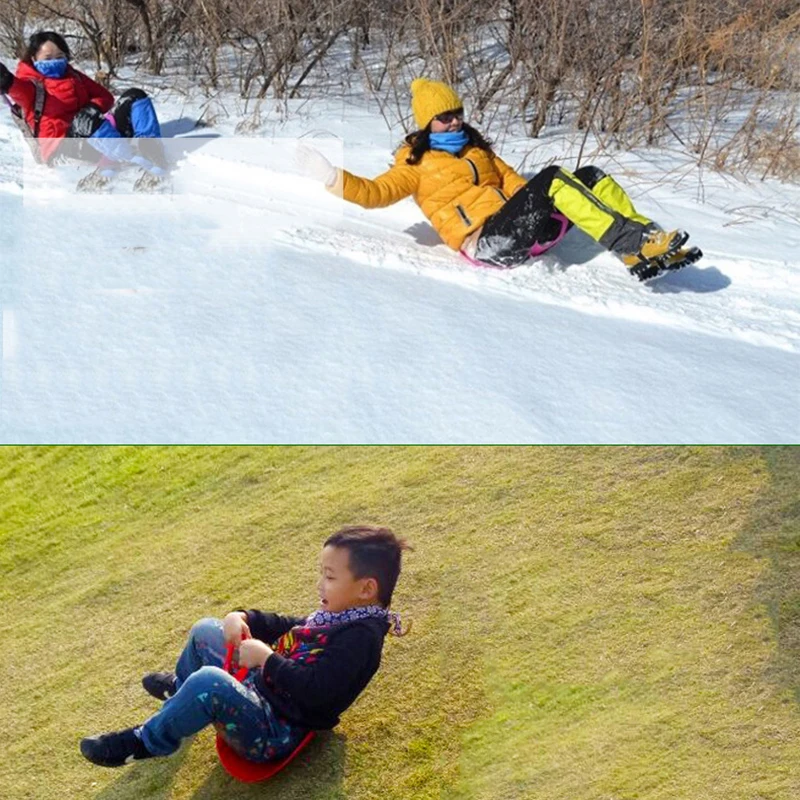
{"x": 451, "y": 142}
{"x": 51, "y": 67}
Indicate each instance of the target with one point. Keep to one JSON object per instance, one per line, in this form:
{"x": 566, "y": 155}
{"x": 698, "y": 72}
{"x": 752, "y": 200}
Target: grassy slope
{"x": 588, "y": 623}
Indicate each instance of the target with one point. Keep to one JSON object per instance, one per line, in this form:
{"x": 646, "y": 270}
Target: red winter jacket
{"x": 64, "y": 97}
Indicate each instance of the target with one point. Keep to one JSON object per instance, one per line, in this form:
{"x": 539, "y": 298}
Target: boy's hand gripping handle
{"x": 228, "y": 664}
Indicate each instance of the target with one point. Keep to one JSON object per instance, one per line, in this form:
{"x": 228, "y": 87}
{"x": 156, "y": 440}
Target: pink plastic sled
{"x": 239, "y": 767}
{"x": 538, "y": 248}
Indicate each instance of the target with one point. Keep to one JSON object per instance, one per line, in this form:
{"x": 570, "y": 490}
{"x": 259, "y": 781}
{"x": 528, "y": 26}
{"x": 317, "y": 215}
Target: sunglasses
{"x": 449, "y": 116}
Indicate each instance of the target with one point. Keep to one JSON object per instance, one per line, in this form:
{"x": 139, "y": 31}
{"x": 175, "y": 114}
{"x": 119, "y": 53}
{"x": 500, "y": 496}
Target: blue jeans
{"x": 207, "y": 695}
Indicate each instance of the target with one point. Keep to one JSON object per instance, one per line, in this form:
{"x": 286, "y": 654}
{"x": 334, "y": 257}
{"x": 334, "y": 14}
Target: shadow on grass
{"x": 151, "y": 779}
{"x": 773, "y": 532}
{"x": 317, "y": 774}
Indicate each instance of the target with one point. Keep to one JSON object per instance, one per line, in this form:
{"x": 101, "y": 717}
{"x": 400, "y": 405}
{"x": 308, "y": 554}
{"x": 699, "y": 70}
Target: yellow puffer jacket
{"x": 456, "y": 193}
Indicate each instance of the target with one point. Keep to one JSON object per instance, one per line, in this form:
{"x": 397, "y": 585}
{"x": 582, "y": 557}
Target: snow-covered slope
{"x": 250, "y": 305}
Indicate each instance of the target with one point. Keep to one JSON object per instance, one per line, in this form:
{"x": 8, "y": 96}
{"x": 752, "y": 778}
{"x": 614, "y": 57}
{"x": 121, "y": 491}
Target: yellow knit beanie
{"x": 431, "y": 98}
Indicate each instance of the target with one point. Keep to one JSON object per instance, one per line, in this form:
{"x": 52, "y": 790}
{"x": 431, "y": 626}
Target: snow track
{"x": 750, "y": 307}
{"x": 755, "y": 300}
{"x": 252, "y": 306}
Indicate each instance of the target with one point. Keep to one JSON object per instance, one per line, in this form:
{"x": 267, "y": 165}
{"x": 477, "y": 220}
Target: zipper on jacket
{"x": 463, "y": 214}
{"x": 474, "y": 171}
{"x": 501, "y": 193}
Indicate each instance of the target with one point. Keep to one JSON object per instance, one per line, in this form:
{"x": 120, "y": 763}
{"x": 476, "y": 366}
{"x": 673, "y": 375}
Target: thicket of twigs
{"x": 718, "y": 78}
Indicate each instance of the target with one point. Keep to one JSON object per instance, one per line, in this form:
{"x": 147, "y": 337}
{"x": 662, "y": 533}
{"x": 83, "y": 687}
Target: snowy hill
{"x": 251, "y": 306}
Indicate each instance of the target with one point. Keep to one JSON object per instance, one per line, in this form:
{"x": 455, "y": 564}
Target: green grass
{"x": 588, "y": 623}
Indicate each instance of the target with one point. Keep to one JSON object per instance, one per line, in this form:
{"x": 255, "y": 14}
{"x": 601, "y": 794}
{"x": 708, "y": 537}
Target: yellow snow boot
{"x": 657, "y": 244}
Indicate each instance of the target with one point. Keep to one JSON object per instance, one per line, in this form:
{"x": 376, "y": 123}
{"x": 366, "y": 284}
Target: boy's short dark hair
{"x": 373, "y": 553}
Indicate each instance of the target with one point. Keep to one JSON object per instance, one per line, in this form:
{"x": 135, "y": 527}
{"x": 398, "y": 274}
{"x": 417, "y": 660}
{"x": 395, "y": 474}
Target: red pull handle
{"x": 228, "y": 663}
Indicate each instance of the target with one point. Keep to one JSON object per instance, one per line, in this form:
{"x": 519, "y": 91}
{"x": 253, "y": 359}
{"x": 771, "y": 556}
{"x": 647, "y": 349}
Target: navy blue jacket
{"x": 324, "y": 670}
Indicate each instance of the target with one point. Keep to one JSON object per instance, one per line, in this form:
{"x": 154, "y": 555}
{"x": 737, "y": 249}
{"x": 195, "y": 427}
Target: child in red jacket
{"x": 79, "y": 117}
{"x": 304, "y": 671}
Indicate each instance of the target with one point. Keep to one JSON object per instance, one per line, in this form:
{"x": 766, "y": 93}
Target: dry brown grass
{"x": 721, "y": 79}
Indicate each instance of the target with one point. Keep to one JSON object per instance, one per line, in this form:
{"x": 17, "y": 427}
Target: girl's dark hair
{"x": 38, "y": 39}
{"x": 420, "y": 142}
{"x": 373, "y": 553}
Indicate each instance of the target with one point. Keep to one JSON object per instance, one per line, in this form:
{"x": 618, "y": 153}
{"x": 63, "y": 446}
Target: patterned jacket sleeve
{"x": 323, "y": 683}
{"x": 267, "y": 627}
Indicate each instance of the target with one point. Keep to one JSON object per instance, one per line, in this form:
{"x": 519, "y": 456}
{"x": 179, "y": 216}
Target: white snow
{"x": 252, "y": 306}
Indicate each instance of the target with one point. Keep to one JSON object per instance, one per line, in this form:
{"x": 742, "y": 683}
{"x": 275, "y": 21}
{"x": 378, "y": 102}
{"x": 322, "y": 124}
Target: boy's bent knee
{"x": 207, "y": 623}
{"x": 206, "y": 677}
{"x": 205, "y": 627}
{"x": 214, "y": 673}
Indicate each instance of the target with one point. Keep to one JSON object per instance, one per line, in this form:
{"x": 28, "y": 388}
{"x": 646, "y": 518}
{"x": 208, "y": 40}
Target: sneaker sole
{"x": 90, "y": 754}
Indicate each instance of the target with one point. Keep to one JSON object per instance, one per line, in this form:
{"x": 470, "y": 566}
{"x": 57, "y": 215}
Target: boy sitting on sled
{"x": 304, "y": 671}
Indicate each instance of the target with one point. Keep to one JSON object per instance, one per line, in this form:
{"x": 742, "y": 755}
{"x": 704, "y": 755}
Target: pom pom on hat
{"x": 430, "y": 98}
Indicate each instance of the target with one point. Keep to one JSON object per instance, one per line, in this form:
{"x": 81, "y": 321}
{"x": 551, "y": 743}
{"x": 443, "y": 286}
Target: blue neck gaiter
{"x": 51, "y": 67}
{"x": 451, "y": 142}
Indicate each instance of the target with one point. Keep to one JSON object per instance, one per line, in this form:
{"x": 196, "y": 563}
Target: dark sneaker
{"x": 114, "y": 749}
{"x": 160, "y": 684}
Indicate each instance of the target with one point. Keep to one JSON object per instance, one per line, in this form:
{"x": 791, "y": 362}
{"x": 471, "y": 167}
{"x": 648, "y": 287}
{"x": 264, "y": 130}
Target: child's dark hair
{"x": 420, "y": 142}
{"x": 373, "y": 553}
{"x": 38, "y": 39}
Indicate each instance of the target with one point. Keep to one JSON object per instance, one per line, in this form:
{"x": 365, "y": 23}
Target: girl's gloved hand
{"x": 314, "y": 165}
{"x": 235, "y": 628}
{"x": 6, "y": 79}
{"x": 253, "y": 653}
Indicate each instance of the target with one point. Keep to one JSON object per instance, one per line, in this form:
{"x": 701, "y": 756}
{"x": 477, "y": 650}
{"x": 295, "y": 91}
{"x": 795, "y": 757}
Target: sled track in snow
{"x": 756, "y": 301}
{"x": 699, "y": 298}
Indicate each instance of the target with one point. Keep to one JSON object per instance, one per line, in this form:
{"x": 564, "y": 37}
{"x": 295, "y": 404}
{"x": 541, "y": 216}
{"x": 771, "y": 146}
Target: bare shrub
{"x": 14, "y": 16}
{"x": 719, "y": 79}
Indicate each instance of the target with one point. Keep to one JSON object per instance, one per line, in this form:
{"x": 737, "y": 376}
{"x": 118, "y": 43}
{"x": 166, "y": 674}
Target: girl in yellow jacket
{"x": 481, "y": 207}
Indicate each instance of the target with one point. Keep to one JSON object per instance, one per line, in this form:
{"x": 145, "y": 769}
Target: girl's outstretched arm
{"x": 6, "y": 78}
{"x": 22, "y": 92}
{"x": 396, "y": 183}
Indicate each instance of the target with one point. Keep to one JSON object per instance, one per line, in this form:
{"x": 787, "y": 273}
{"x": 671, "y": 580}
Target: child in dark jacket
{"x": 303, "y": 671}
